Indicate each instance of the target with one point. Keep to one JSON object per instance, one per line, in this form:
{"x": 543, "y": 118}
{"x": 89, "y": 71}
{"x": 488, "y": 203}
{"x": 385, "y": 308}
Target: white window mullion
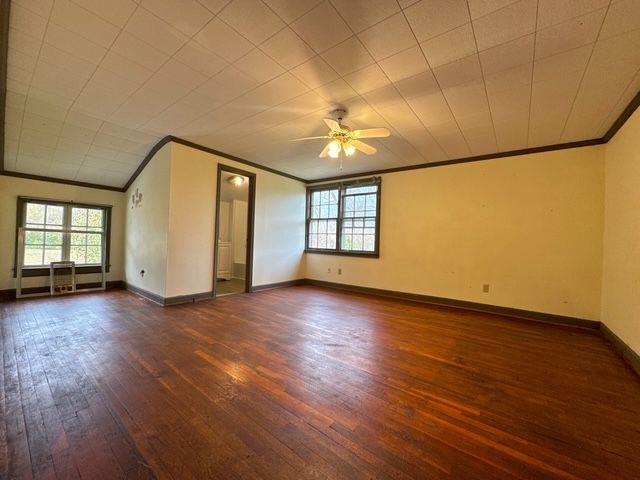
{"x": 66, "y": 236}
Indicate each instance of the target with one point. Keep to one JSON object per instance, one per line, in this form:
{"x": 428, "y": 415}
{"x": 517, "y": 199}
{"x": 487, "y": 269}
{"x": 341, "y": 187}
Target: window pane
{"x": 94, "y": 254}
{"x": 77, "y": 254}
{"x": 331, "y": 241}
{"x": 33, "y": 238}
{"x": 348, "y": 207}
{"x": 78, "y": 217}
{"x": 33, "y": 255}
{"x": 347, "y": 241}
{"x": 369, "y": 242}
{"x": 53, "y": 238}
{"x": 95, "y": 218}
{"x": 368, "y": 189}
{"x": 35, "y": 213}
{"x": 313, "y": 241}
{"x": 94, "y": 239}
{"x": 55, "y": 214}
{"x": 371, "y": 202}
{"x": 356, "y": 207}
{"x": 52, "y": 254}
{"x": 78, "y": 239}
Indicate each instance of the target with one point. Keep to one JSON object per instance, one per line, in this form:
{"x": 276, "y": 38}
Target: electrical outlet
{"x": 485, "y": 288}
{"x": 339, "y": 271}
{"x": 328, "y": 270}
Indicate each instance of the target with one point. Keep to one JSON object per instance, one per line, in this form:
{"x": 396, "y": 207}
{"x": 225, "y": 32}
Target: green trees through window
{"x": 343, "y": 218}
{"x": 50, "y": 241}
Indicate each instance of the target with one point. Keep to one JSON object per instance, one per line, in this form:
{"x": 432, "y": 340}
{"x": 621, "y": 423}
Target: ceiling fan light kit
{"x": 343, "y": 139}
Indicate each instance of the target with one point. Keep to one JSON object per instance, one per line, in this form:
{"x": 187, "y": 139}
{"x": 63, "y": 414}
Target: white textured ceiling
{"x": 94, "y": 84}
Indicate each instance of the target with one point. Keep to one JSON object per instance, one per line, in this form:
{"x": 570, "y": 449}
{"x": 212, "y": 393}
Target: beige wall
{"x": 147, "y": 226}
{"x": 621, "y": 259}
{"x": 278, "y": 229}
{"x": 11, "y": 188}
{"x": 529, "y": 226}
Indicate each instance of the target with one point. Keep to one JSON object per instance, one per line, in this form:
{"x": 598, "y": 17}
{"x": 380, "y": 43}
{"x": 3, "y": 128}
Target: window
{"x": 343, "y": 218}
{"x": 47, "y": 241}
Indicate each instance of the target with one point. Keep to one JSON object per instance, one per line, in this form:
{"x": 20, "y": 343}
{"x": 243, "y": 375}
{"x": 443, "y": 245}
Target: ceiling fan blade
{"x": 308, "y": 138}
{"x": 333, "y": 125}
{"x": 325, "y": 151}
{"x": 363, "y": 147}
{"x": 371, "y": 133}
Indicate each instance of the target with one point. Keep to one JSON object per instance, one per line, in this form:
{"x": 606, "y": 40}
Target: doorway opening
{"x": 235, "y": 202}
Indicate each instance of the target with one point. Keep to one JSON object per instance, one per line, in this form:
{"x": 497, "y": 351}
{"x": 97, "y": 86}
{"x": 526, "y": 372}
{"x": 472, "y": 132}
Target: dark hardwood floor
{"x": 306, "y": 382}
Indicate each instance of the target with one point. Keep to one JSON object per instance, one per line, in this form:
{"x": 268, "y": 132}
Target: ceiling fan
{"x": 342, "y": 138}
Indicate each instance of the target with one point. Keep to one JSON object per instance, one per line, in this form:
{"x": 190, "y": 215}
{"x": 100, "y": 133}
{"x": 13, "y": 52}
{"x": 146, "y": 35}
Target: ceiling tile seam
{"x": 96, "y": 14}
{"x": 259, "y": 47}
{"x": 207, "y": 8}
{"x": 289, "y": 71}
{"x": 584, "y": 73}
{"x": 29, "y": 86}
{"x": 97, "y": 67}
{"x": 533, "y": 68}
{"x": 427, "y": 131}
{"x": 170, "y": 57}
{"x": 484, "y": 80}
{"x": 88, "y": 40}
{"x": 326, "y": 83}
{"x": 504, "y": 7}
{"x": 424, "y": 55}
{"x": 377, "y": 62}
{"x": 390, "y": 83}
{"x": 286, "y": 70}
{"x": 272, "y": 108}
{"x": 219, "y": 107}
{"x": 43, "y": 42}
{"x": 318, "y": 2}
{"x": 568, "y": 19}
{"x": 108, "y": 50}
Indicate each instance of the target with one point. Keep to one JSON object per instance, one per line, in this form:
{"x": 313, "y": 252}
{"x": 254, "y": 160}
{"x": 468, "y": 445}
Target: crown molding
{"x": 63, "y": 181}
{"x": 457, "y": 161}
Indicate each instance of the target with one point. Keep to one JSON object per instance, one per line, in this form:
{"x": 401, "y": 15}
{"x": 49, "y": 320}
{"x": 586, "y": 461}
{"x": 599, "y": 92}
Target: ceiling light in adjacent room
{"x": 236, "y": 180}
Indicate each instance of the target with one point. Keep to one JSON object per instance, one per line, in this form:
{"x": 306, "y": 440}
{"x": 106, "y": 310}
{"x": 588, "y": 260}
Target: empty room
{"x": 320, "y": 239}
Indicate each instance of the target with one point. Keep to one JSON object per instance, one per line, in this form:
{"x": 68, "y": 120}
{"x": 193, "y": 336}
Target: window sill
{"x": 44, "y": 271}
{"x": 344, "y": 254}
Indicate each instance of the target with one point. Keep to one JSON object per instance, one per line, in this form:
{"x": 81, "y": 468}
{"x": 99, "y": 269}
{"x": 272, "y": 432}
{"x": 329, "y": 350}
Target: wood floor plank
{"x": 307, "y": 383}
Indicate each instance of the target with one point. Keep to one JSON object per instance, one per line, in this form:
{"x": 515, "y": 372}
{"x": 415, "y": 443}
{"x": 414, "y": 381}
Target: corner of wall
{"x": 620, "y": 300}
{"x": 146, "y": 225}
